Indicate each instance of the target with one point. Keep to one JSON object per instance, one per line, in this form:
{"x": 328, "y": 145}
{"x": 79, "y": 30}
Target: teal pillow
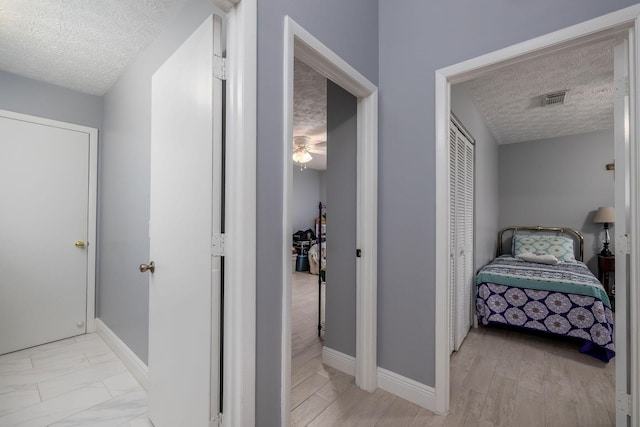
{"x": 559, "y": 246}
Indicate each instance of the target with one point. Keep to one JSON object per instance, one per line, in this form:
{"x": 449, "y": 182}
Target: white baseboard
{"x": 340, "y": 361}
{"x": 406, "y": 388}
{"x": 128, "y": 357}
{"x": 413, "y": 391}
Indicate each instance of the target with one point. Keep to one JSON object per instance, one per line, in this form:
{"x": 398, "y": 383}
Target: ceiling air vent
{"x": 554, "y": 98}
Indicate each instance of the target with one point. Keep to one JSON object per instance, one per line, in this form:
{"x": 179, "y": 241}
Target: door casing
{"x": 611, "y": 23}
{"x": 239, "y": 341}
{"x": 301, "y": 44}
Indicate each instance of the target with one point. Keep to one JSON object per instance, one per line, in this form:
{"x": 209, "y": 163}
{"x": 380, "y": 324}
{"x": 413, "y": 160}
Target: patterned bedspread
{"x": 575, "y": 278}
{"x": 555, "y": 310}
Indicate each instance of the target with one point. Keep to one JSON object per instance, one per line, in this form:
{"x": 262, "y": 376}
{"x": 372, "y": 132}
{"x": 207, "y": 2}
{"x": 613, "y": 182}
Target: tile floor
{"x": 74, "y": 382}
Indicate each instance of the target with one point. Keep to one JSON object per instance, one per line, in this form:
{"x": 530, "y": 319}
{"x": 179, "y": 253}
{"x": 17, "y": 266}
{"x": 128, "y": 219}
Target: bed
{"x": 526, "y": 288}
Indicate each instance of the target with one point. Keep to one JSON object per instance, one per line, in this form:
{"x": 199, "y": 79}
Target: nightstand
{"x": 606, "y": 275}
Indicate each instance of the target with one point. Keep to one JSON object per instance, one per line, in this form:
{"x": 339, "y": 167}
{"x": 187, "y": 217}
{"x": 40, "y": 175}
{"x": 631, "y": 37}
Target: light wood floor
{"x": 498, "y": 378}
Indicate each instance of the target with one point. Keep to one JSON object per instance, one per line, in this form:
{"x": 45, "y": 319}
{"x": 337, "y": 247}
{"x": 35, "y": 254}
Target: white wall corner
{"x": 136, "y": 366}
{"x": 340, "y": 361}
{"x": 408, "y": 389}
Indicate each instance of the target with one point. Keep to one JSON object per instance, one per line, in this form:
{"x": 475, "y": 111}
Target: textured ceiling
{"x": 310, "y": 111}
{"x": 80, "y": 44}
{"x": 509, "y": 99}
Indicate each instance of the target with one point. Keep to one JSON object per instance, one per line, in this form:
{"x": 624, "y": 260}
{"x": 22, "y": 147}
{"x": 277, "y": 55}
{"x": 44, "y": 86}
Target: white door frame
{"x": 92, "y": 200}
{"x": 301, "y": 44}
{"x": 467, "y": 70}
{"x": 621, "y": 70}
{"x": 239, "y": 356}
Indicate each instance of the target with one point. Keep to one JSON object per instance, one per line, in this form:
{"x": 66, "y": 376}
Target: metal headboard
{"x": 575, "y": 234}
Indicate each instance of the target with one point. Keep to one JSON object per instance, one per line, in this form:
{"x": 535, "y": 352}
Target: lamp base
{"x": 605, "y": 251}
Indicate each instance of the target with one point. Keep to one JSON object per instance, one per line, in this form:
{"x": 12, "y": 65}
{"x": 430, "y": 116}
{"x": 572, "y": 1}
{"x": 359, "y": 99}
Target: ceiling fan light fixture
{"x": 302, "y": 156}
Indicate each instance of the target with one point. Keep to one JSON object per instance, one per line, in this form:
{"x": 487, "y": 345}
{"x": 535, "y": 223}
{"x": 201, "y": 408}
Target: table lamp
{"x": 605, "y": 215}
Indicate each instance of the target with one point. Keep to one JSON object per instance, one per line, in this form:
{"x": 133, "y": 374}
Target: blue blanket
{"x": 570, "y": 278}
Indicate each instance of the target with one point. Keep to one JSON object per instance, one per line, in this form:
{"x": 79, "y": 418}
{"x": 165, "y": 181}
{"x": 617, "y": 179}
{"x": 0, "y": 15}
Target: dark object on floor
{"x": 302, "y": 263}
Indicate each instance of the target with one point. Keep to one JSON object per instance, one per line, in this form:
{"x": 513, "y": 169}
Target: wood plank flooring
{"x": 498, "y": 378}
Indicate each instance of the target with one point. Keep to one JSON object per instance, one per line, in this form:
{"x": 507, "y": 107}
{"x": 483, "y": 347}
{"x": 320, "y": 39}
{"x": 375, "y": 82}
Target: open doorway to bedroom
{"x": 308, "y": 218}
{"x": 347, "y": 223}
{"x": 545, "y": 165}
{"x": 324, "y": 219}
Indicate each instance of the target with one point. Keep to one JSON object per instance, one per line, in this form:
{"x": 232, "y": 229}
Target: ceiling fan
{"x": 303, "y": 146}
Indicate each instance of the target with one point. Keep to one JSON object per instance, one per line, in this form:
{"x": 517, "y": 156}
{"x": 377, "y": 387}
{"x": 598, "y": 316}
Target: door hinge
{"x": 216, "y": 422}
{"x": 219, "y": 67}
{"x": 623, "y": 244}
{"x": 623, "y": 402}
{"x": 217, "y": 245}
{"x": 621, "y": 87}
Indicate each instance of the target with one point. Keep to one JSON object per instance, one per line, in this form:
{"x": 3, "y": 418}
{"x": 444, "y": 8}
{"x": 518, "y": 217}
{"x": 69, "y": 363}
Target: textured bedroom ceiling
{"x": 509, "y": 99}
{"x": 79, "y": 44}
{"x": 310, "y": 111}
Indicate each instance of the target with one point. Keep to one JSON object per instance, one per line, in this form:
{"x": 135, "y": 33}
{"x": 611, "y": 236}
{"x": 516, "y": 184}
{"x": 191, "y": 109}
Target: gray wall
{"x": 559, "y": 182}
{"x": 349, "y": 28}
{"x": 485, "y": 177}
{"x": 306, "y": 196}
{"x": 342, "y": 135}
{"x": 123, "y": 298}
{"x": 323, "y": 186}
{"x": 27, "y": 96}
{"x": 416, "y": 38}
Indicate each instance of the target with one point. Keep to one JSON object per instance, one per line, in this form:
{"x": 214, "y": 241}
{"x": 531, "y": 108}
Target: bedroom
{"x": 309, "y": 195}
{"x": 323, "y": 209}
{"x": 547, "y": 166}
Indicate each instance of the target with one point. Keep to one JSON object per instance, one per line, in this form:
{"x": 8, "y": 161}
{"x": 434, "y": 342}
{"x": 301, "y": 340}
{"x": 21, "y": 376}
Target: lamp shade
{"x": 604, "y": 215}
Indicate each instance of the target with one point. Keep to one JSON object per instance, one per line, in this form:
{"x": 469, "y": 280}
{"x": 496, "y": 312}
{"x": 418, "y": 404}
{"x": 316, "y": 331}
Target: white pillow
{"x": 540, "y": 259}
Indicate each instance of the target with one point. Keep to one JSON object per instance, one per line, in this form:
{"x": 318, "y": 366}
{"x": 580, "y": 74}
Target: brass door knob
{"x": 150, "y": 267}
{"x": 79, "y": 244}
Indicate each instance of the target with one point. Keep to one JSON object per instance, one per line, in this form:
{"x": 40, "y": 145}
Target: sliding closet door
{"x": 461, "y": 163}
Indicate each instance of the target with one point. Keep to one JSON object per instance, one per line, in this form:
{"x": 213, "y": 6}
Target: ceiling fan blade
{"x": 322, "y": 144}
{"x": 320, "y": 150}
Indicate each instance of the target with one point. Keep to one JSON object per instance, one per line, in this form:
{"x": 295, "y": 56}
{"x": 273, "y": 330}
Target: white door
{"x": 622, "y": 225}
{"x": 184, "y": 213}
{"x": 44, "y": 190}
{"x": 453, "y": 243}
{"x": 461, "y": 154}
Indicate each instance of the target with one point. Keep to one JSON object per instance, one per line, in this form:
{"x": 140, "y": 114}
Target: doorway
{"x": 325, "y": 221}
{"x": 582, "y": 33}
{"x": 514, "y": 357}
{"x": 48, "y": 186}
{"x": 303, "y": 46}
{"x": 309, "y": 211}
